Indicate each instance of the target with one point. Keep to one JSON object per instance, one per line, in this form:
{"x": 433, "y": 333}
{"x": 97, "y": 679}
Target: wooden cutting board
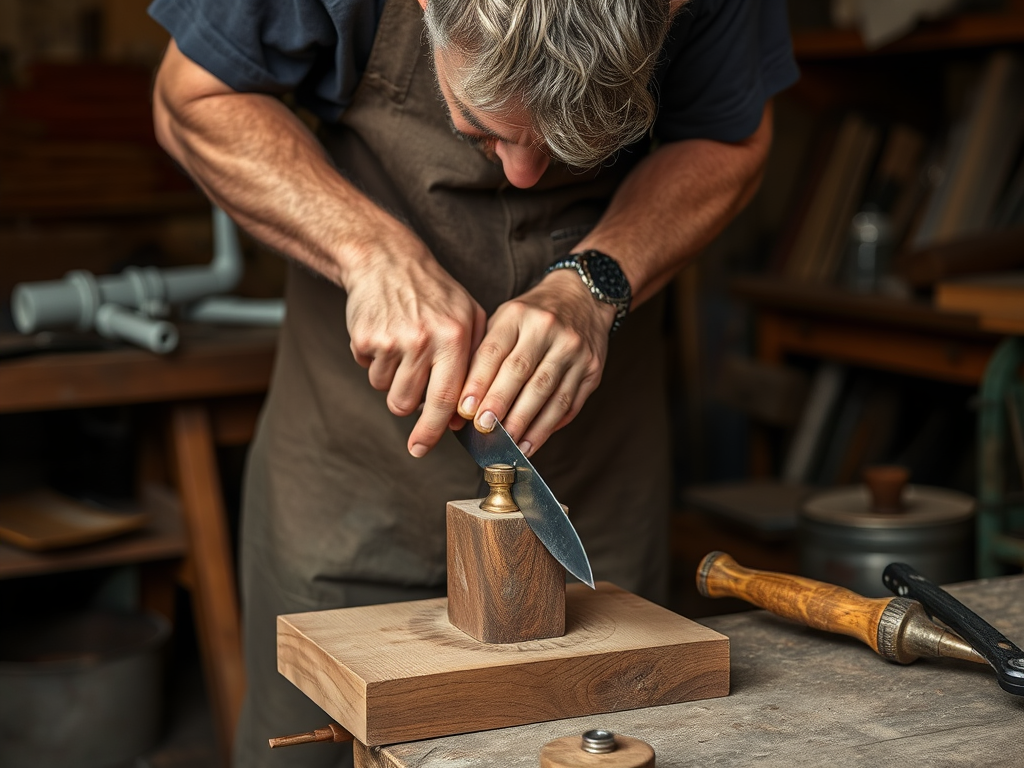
{"x": 402, "y": 672}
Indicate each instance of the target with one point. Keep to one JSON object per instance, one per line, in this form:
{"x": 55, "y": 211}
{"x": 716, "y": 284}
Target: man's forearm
{"x": 258, "y": 162}
{"x": 410, "y": 324}
{"x": 675, "y": 203}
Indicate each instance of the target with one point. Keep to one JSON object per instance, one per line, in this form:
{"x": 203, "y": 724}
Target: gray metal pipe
{"x": 234, "y": 310}
{"x": 116, "y": 322}
{"x": 75, "y": 299}
{"x": 186, "y": 284}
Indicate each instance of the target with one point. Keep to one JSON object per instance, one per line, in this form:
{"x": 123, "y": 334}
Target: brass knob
{"x": 500, "y": 478}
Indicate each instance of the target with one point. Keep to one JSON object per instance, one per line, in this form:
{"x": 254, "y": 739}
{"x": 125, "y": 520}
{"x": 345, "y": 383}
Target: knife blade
{"x": 538, "y": 504}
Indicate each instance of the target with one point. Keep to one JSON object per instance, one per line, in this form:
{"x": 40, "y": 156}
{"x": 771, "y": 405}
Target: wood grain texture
{"x": 814, "y": 603}
{"x": 399, "y": 672}
{"x": 567, "y": 752}
{"x": 800, "y": 699}
{"x": 503, "y": 585}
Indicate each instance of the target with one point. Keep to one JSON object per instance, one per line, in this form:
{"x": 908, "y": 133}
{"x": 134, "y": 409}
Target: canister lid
{"x": 922, "y": 506}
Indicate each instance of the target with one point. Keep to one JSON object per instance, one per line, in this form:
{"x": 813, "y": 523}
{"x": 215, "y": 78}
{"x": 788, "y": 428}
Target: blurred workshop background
{"x": 865, "y": 311}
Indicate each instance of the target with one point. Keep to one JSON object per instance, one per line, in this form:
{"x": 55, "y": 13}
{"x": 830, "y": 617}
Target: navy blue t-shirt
{"x": 722, "y": 61}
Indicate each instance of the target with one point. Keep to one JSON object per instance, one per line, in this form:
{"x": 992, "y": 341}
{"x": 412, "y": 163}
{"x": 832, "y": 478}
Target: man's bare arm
{"x": 544, "y": 351}
{"x": 676, "y": 202}
{"x": 412, "y": 326}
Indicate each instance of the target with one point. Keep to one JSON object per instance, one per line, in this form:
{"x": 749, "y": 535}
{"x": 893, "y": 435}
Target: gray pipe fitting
{"x": 234, "y": 310}
{"x": 115, "y": 322}
{"x": 72, "y": 301}
{"x": 76, "y": 300}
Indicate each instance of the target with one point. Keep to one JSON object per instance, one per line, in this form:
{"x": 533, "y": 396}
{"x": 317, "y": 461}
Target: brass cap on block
{"x": 500, "y": 478}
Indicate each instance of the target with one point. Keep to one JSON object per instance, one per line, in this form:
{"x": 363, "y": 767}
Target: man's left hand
{"x": 544, "y": 352}
{"x": 541, "y": 358}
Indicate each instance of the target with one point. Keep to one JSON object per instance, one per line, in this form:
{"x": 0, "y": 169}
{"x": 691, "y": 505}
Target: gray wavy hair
{"x": 582, "y": 69}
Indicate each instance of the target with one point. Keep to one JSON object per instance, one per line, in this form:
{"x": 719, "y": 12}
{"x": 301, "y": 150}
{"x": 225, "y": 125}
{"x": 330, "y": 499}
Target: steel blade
{"x": 538, "y": 504}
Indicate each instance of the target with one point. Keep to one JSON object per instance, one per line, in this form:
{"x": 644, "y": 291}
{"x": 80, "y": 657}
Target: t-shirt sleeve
{"x": 277, "y": 46}
{"x": 724, "y": 60}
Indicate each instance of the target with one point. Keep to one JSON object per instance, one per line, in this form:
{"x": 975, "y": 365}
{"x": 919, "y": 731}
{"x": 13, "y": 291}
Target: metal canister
{"x": 848, "y": 535}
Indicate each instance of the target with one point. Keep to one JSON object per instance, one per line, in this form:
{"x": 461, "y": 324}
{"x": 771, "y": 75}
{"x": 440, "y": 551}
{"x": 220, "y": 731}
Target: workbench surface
{"x": 799, "y": 697}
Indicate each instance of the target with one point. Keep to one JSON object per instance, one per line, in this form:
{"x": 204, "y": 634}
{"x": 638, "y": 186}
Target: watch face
{"x": 606, "y": 275}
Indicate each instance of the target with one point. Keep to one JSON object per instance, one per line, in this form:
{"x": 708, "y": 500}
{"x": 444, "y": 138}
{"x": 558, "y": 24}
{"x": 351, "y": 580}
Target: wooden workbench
{"x": 799, "y": 697}
{"x": 209, "y": 390}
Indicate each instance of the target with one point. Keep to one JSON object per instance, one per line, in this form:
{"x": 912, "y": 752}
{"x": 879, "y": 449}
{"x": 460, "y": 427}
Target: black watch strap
{"x": 603, "y": 277}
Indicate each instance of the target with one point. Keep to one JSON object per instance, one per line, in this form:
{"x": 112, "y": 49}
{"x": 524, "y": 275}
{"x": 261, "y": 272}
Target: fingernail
{"x": 487, "y": 421}
{"x": 418, "y": 450}
{"x": 526, "y": 447}
{"x": 468, "y": 407}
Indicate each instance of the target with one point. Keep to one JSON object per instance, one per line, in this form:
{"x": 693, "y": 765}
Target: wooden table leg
{"x": 215, "y": 596}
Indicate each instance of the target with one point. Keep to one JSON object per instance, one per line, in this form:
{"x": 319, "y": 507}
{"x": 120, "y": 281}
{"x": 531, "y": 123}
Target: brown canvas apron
{"x": 336, "y": 511}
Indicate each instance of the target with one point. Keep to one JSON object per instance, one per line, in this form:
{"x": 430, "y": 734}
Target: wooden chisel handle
{"x": 810, "y": 602}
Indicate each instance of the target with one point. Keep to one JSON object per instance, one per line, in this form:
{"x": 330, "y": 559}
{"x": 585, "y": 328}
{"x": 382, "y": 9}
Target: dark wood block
{"x": 503, "y": 585}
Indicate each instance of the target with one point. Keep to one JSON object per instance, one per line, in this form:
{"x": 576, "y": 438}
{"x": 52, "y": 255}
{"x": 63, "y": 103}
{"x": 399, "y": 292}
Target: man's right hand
{"x": 414, "y": 328}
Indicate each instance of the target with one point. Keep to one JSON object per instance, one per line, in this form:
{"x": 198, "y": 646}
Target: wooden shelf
{"x": 869, "y": 309}
{"x": 163, "y": 539}
{"x": 901, "y": 336}
{"x": 210, "y": 362}
{"x": 974, "y": 30}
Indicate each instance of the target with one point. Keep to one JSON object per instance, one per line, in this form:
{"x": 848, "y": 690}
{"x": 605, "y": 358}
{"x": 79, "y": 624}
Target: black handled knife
{"x": 1003, "y": 656}
{"x": 542, "y": 511}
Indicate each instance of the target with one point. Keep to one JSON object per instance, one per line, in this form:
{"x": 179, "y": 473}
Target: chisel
{"x": 895, "y": 628}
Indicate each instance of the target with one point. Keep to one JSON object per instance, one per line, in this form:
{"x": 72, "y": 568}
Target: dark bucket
{"x": 80, "y": 691}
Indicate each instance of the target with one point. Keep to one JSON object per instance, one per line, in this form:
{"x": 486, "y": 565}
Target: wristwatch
{"x": 604, "y": 279}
